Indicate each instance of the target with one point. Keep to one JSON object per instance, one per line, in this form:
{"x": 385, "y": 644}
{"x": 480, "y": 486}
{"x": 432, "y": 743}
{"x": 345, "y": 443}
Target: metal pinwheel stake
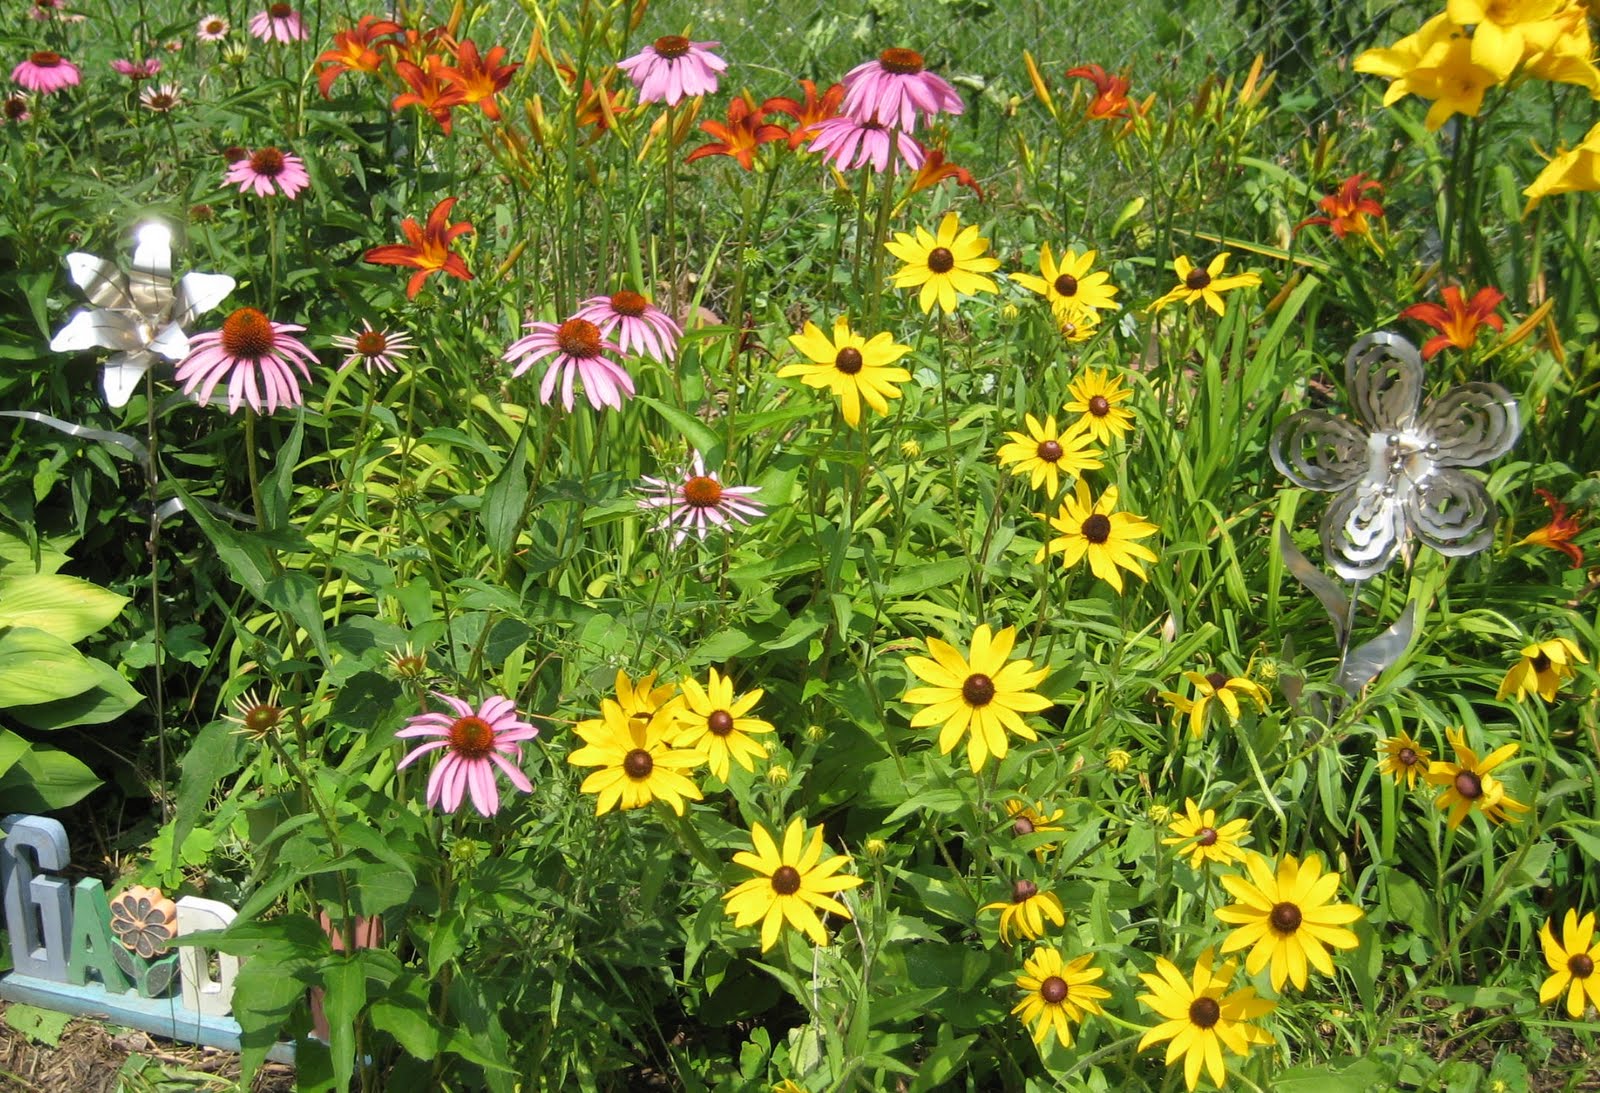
{"x": 1396, "y": 479}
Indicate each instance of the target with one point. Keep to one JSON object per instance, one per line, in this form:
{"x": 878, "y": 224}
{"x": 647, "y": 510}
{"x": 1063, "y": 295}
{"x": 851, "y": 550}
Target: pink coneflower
{"x": 477, "y": 741}
{"x": 643, "y": 328}
{"x": 14, "y": 108}
{"x": 248, "y": 343}
{"x": 893, "y": 88}
{"x": 266, "y": 167}
{"x": 673, "y": 68}
{"x": 849, "y": 143}
{"x": 137, "y": 70}
{"x": 699, "y": 502}
{"x": 279, "y": 22}
{"x": 213, "y": 28}
{"x": 580, "y": 350}
{"x": 46, "y": 73}
{"x": 161, "y": 99}
{"x": 375, "y": 350}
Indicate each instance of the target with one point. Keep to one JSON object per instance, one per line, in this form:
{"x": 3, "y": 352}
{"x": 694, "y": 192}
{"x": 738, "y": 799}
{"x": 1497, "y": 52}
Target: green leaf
{"x": 45, "y": 779}
{"x": 696, "y": 432}
{"x": 39, "y": 667}
{"x": 405, "y": 1016}
{"x": 344, "y": 978}
{"x": 278, "y": 486}
{"x": 110, "y": 698}
{"x": 504, "y": 500}
{"x": 67, "y": 607}
{"x": 216, "y": 753}
{"x": 41, "y": 1025}
{"x": 12, "y": 749}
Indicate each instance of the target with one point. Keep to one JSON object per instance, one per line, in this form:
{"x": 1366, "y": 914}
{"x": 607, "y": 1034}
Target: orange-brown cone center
{"x": 579, "y": 338}
{"x": 371, "y": 343}
{"x": 901, "y": 62}
{"x": 471, "y": 738}
{"x": 267, "y": 161}
{"x": 702, "y": 491}
{"x": 628, "y": 303}
{"x": 672, "y": 46}
{"x": 247, "y": 334}
{"x": 45, "y": 59}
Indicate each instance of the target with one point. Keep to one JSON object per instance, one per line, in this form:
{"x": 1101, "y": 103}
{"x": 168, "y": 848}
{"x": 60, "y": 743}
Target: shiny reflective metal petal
{"x": 150, "y": 280}
{"x": 99, "y": 327}
{"x": 1385, "y": 376}
{"x": 198, "y": 293}
{"x": 100, "y": 280}
{"x": 1451, "y": 513}
{"x": 122, "y": 374}
{"x": 131, "y": 445}
{"x": 1317, "y": 582}
{"x": 1368, "y": 660}
{"x": 1362, "y": 531}
{"x": 171, "y": 342}
{"x": 1471, "y": 424}
{"x": 1318, "y": 451}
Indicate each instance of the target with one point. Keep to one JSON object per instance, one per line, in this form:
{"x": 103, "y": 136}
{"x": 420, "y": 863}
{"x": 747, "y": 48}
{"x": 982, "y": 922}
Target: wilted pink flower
{"x": 476, "y": 742}
{"x": 641, "y": 327}
{"x": 265, "y": 168}
{"x": 848, "y": 143}
{"x": 580, "y": 350}
{"x": 699, "y": 502}
{"x": 14, "y": 108}
{"x": 375, "y": 350}
{"x": 673, "y": 68}
{"x": 46, "y": 73}
{"x": 894, "y": 88}
{"x": 212, "y": 28}
{"x": 137, "y": 70}
{"x": 279, "y": 22}
{"x": 248, "y": 343}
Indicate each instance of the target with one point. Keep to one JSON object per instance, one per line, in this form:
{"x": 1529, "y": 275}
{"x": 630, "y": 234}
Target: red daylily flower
{"x": 1347, "y": 209}
{"x": 480, "y": 78}
{"x": 353, "y": 51}
{"x": 1111, "y": 92}
{"x": 599, "y": 107}
{"x": 816, "y": 108}
{"x": 1558, "y": 533}
{"x": 935, "y": 170}
{"x": 743, "y": 134}
{"x": 429, "y": 91}
{"x": 419, "y": 46}
{"x": 428, "y": 249}
{"x": 1457, "y": 321}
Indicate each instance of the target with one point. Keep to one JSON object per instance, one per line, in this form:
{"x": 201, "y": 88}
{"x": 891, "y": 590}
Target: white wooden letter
{"x": 201, "y": 993}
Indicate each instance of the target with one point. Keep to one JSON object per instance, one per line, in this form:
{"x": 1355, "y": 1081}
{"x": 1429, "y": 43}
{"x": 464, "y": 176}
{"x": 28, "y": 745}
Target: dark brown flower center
{"x": 1097, "y": 529}
{"x": 14, "y": 107}
{"x": 471, "y": 737}
{"x": 1023, "y": 891}
{"x": 45, "y": 59}
{"x": 261, "y": 718}
{"x": 1204, "y": 1012}
{"x": 1285, "y": 918}
{"x": 1540, "y": 663}
{"x": 1197, "y": 280}
{"x": 267, "y": 161}
{"x": 672, "y": 46}
{"x": 848, "y": 360}
{"x": 1469, "y": 785}
{"x": 233, "y": 153}
{"x": 1207, "y": 837}
{"x": 978, "y": 690}
{"x": 1049, "y": 451}
{"x": 1099, "y": 406}
{"x": 1022, "y": 826}
{"x": 637, "y": 764}
{"x": 786, "y": 880}
{"x": 280, "y": 11}
{"x": 720, "y": 722}
{"x": 247, "y": 334}
{"x": 1217, "y": 680}
{"x": 578, "y": 338}
{"x": 160, "y": 101}
{"x": 371, "y": 343}
{"x": 628, "y": 303}
{"x": 215, "y": 26}
{"x": 940, "y": 260}
{"x": 1581, "y": 965}
{"x": 201, "y": 214}
{"x": 1408, "y": 757}
{"x": 702, "y": 491}
{"x": 1053, "y": 990}
{"x": 1066, "y": 285}
{"x": 901, "y": 62}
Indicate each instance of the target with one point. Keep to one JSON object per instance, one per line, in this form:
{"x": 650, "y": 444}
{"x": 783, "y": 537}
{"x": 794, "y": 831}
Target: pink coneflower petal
{"x": 266, "y": 169}
{"x": 212, "y": 28}
{"x": 478, "y": 742}
{"x": 279, "y": 23}
{"x": 257, "y": 356}
{"x": 379, "y": 351}
{"x": 45, "y": 73}
{"x": 848, "y": 143}
{"x": 578, "y": 349}
{"x": 894, "y": 88}
{"x": 699, "y": 502}
{"x": 673, "y": 68}
{"x": 640, "y": 326}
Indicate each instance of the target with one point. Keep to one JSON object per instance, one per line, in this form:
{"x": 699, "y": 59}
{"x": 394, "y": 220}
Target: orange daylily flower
{"x": 743, "y": 134}
{"x": 1558, "y": 533}
{"x": 353, "y": 51}
{"x": 428, "y": 250}
{"x": 429, "y": 90}
{"x": 1347, "y": 209}
{"x": 598, "y": 106}
{"x": 480, "y": 78}
{"x": 418, "y": 46}
{"x": 935, "y": 170}
{"x": 1111, "y": 92}
{"x": 816, "y": 108}
{"x": 1457, "y": 321}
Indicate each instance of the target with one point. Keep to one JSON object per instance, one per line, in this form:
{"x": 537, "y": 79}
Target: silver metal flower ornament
{"x": 140, "y": 314}
{"x": 1397, "y": 478}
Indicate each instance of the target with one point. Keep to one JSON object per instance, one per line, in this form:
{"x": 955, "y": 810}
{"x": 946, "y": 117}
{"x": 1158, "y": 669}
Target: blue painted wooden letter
{"x": 37, "y": 908}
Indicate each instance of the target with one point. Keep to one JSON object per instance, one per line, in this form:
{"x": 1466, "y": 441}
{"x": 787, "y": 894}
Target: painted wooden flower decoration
{"x": 144, "y": 920}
